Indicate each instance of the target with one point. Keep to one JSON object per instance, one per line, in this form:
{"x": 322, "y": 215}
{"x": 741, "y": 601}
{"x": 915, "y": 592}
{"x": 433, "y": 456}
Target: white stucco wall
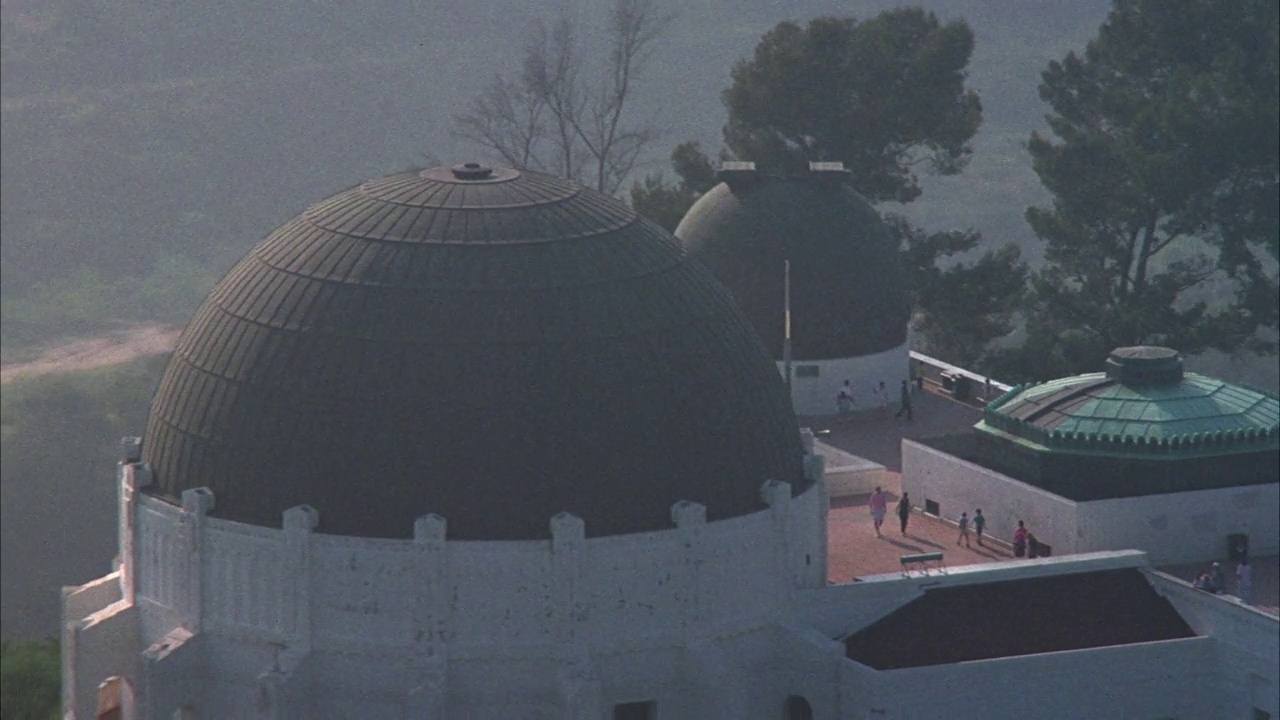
{"x": 234, "y": 618}
{"x": 721, "y": 619}
{"x": 817, "y": 395}
{"x": 1172, "y": 527}
{"x": 848, "y": 474}
{"x": 1183, "y": 527}
{"x": 959, "y": 486}
{"x": 1248, "y": 645}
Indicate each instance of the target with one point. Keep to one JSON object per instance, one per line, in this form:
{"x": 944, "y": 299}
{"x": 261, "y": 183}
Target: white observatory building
{"x": 481, "y": 443}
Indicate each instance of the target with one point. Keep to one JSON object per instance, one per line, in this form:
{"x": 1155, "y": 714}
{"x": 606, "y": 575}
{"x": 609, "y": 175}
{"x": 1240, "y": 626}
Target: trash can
{"x": 948, "y": 382}
{"x": 963, "y": 389}
{"x": 1237, "y": 546}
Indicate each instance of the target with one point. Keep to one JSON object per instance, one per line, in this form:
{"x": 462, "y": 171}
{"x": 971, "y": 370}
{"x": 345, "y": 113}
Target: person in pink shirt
{"x": 879, "y": 506}
{"x": 1020, "y": 540}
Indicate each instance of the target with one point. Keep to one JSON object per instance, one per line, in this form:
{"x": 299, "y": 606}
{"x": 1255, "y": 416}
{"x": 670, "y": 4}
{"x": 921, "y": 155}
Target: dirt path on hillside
{"x": 131, "y": 343}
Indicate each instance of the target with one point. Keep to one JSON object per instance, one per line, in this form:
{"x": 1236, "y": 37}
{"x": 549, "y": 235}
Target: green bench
{"x": 924, "y": 562}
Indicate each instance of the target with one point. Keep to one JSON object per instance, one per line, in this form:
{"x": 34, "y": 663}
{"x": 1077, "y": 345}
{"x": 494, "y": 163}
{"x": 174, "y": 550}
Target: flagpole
{"x": 786, "y": 323}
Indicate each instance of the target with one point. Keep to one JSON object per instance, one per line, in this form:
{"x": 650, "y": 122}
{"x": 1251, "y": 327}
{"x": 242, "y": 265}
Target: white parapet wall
{"x": 360, "y": 591}
{"x": 959, "y": 486}
{"x": 1171, "y": 527}
{"x": 816, "y": 383}
{"x": 284, "y": 618}
{"x": 1183, "y": 527}
{"x": 848, "y": 474}
{"x": 1248, "y": 645}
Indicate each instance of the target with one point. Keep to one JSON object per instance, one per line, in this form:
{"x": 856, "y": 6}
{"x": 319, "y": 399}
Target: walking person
{"x": 979, "y": 522}
{"x": 904, "y": 512}
{"x": 882, "y": 398}
{"x": 879, "y": 506}
{"x": 844, "y": 399}
{"x": 1217, "y": 580}
{"x": 964, "y": 529}
{"x": 1244, "y": 581}
{"x": 904, "y": 397}
{"x": 1020, "y": 540}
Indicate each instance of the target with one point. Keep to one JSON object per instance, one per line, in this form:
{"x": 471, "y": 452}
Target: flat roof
{"x": 1011, "y": 618}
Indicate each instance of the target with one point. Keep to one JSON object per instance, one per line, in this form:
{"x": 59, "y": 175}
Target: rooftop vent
{"x": 1145, "y": 365}
{"x": 828, "y": 172}
{"x": 471, "y": 171}
{"x": 736, "y": 172}
{"x": 827, "y": 167}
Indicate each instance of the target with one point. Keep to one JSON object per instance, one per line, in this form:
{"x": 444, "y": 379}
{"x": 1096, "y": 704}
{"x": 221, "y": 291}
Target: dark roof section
{"x": 848, "y": 289}
{"x": 490, "y": 345}
{"x": 1019, "y": 617}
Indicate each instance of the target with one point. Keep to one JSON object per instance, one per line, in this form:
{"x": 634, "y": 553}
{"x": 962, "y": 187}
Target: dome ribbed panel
{"x": 495, "y": 352}
{"x": 848, "y": 289}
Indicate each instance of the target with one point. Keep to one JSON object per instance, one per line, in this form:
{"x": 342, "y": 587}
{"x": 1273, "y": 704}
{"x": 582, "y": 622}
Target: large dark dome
{"x": 848, "y": 289}
{"x": 492, "y": 346}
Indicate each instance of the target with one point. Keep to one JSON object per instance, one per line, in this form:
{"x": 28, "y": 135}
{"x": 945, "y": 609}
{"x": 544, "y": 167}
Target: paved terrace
{"x": 853, "y": 548}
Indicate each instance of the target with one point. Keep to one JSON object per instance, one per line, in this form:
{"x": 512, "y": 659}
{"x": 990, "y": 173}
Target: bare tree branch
{"x": 555, "y": 117}
{"x": 507, "y": 119}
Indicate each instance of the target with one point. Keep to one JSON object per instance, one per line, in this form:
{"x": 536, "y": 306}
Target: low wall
{"x": 961, "y": 486}
{"x": 848, "y": 474}
{"x": 1248, "y": 644}
{"x": 1171, "y": 528}
{"x": 816, "y": 394}
{"x": 1183, "y": 527}
{"x": 293, "y": 585}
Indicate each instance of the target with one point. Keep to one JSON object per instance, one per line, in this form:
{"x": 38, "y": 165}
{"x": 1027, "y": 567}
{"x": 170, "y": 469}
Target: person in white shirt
{"x": 881, "y": 394}
{"x": 844, "y": 399}
{"x": 1244, "y": 581}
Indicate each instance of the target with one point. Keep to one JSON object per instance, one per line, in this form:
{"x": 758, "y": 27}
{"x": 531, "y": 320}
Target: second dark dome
{"x": 490, "y": 345}
{"x": 848, "y": 289}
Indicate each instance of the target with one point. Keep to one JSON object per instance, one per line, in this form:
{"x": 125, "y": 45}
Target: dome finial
{"x": 471, "y": 171}
{"x": 1145, "y": 365}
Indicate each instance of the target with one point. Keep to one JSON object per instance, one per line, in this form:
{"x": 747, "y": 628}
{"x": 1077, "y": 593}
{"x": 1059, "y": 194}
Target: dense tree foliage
{"x": 30, "y": 680}
{"x": 884, "y": 96}
{"x": 961, "y": 305}
{"x": 1163, "y": 169}
{"x": 881, "y": 96}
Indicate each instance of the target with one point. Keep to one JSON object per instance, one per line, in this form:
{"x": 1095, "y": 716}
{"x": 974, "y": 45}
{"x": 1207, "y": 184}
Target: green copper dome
{"x": 1143, "y": 404}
